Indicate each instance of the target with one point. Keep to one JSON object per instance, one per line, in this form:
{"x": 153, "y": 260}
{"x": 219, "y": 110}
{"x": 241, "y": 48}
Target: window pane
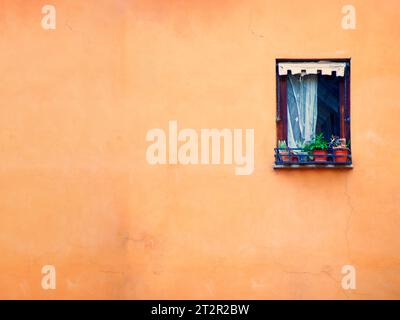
{"x": 328, "y": 119}
{"x": 302, "y": 100}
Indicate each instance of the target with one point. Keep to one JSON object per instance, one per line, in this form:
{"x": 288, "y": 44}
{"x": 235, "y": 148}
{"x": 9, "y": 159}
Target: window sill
{"x": 313, "y": 166}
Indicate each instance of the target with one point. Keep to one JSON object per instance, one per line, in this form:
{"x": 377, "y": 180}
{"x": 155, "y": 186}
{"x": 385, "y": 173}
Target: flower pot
{"x": 341, "y": 155}
{"x": 320, "y": 155}
{"x": 284, "y": 155}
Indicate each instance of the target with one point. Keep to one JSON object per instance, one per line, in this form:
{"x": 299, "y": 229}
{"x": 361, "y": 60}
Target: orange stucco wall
{"x": 78, "y": 193}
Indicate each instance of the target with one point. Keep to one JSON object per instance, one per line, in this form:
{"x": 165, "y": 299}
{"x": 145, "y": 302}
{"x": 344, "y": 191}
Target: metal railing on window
{"x": 299, "y": 156}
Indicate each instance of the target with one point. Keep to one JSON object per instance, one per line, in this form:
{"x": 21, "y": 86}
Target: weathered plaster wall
{"x": 77, "y": 192}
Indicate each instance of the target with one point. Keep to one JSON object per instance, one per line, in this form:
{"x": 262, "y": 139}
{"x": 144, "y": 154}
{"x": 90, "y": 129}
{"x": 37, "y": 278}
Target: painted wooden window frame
{"x": 281, "y": 99}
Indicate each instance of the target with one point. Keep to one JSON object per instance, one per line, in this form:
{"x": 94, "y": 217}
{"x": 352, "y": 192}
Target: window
{"x": 313, "y": 113}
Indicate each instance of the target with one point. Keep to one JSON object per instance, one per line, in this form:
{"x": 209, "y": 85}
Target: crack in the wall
{"x": 112, "y": 272}
{"x": 147, "y": 241}
{"x": 68, "y": 26}
{"x": 250, "y": 28}
{"x": 309, "y": 273}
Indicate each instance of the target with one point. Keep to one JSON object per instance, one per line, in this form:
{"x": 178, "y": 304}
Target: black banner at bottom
{"x": 198, "y": 309}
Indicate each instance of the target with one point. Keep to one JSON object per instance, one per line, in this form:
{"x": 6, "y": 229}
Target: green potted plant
{"x": 340, "y": 149}
{"x": 283, "y": 150}
{"x": 318, "y": 147}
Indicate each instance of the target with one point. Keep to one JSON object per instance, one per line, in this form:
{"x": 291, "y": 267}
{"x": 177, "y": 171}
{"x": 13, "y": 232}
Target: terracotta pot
{"x": 284, "y": 155}
{"x": 341, "y": 155}
{"x": 320, "y": 155}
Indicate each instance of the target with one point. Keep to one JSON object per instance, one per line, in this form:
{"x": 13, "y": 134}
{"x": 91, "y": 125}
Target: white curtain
{"x": 302, "y": 104}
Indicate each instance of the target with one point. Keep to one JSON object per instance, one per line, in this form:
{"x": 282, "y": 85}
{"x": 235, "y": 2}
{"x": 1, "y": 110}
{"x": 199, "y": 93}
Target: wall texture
{"x": 76, "y": 189}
